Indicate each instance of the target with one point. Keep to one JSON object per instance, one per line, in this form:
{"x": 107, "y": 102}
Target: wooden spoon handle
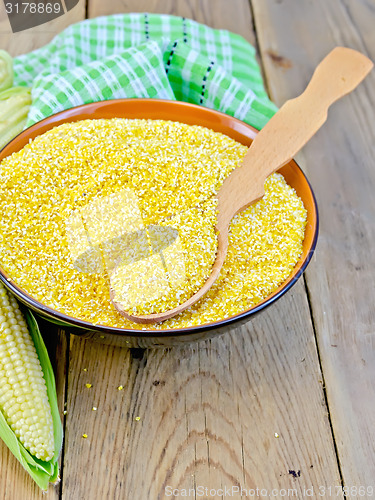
{"x": 290, "y": 129}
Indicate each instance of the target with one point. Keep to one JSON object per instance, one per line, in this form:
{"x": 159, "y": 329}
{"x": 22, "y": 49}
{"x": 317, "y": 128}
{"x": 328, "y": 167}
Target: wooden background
{"x": 287, "y": 401}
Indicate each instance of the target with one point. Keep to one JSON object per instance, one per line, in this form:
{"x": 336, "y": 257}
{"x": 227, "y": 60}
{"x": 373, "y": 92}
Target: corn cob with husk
{"x": 30, "y": 424}
{"x": 14, "y": 102}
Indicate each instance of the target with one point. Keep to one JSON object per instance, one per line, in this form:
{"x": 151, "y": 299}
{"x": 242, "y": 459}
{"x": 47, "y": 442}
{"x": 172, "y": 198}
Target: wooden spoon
{"x": 274, "y": 146}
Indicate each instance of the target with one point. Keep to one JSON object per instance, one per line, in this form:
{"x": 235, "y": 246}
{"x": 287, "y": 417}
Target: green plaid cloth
{"x": 145, "y": 55}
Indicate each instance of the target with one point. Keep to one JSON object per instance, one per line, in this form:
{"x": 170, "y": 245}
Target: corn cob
{"x": 29, "y": 421}
{"x": 23, "y": 392}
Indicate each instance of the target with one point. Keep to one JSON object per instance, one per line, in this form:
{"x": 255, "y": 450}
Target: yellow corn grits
{"x": 173, "y": 170}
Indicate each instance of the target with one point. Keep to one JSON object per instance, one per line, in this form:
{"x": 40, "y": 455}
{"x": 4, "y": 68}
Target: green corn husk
{"x": 6, "y": 70}
{"x": 41, "y": 471}
{"x": 14, "y": 107}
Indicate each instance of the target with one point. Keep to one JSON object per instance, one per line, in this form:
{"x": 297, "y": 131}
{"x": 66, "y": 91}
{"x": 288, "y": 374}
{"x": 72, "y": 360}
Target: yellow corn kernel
{"x": 23, "y": 392}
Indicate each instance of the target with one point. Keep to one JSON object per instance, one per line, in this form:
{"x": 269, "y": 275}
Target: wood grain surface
{"x": 340, "y": 164}
{"x": 247, "y": 409}
{"x": 201, "y": 415}
{"x": 233, "y": 15}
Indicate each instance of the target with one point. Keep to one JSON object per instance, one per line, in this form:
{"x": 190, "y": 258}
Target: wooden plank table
{"x": 286, "y": 403}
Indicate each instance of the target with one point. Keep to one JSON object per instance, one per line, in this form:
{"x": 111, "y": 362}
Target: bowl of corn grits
{"x": 174, "y": 156}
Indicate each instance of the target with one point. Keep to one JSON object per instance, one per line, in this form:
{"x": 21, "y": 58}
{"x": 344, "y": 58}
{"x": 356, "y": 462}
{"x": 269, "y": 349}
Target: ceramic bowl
{"x": 193, "y": 115}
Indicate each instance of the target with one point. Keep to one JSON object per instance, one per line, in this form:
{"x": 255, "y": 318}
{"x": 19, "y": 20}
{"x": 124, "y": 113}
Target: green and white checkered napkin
{"x": 145, "y": 55}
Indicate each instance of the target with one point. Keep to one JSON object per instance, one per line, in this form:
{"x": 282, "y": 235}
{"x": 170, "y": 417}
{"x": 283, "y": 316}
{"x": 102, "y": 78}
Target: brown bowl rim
{"x": 75, "y": 114}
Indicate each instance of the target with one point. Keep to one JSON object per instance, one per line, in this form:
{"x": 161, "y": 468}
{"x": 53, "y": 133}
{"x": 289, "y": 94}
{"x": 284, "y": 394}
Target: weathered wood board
{"x": 340, "y": 160}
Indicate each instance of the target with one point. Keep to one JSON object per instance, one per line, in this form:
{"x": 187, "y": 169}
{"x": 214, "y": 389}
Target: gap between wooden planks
{"x": 340, "y": 159}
